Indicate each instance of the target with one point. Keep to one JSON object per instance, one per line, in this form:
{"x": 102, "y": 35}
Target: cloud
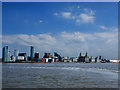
{"x": 41, "y": 21}
{"x": 103, "y": 27}
{"x": 66, "y": 15}
{"x": 55, "y": 14}
{"x": 89, "y": 11}
{"x": 87, "y": 18}
{"x": 78, "y": 6}
{"x": 78, "y": 16}
{"x": 68, "y": 44}
{"x": 78, "y": 20}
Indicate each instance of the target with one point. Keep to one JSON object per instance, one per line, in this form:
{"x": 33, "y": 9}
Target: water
{"x": 60, "y": 75}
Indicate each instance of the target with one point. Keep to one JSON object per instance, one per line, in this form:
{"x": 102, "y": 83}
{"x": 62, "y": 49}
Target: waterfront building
{"x": 66, "y": 59}
{"x": 73, "y": 59}
{"x": 86, "y": 58}
{"x": 92, "y": 60}
{"x": 5, "y": 57}
{"x": 22, "y": 57}
{"x": 16, "y": 52}
{"x": 57, "y": 58}
{"x": 47, "y": 58}
{"x": 83, "y": 58}
{"x": 100, "y": 57}
{"x": 12, "y": 58}
{"x": 36, "y": 56}
{"x": 9, "y": 58}
{"x": 29, "y": 58}
{"x": 32, "y": 52}
{"x": 114, "y": 61}
{"x": 97, "y": 59}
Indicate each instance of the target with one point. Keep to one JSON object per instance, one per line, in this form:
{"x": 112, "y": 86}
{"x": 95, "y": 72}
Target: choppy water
{"x": 60, "y": 75}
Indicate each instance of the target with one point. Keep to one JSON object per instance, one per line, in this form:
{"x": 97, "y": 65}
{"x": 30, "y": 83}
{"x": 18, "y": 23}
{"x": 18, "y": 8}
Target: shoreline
{"x": 57, "y": 62}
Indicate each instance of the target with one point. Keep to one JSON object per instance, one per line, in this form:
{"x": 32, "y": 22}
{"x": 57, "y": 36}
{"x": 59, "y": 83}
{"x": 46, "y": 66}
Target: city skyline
{"x": 33, "y": 57}
{"x": 67, "y": 28}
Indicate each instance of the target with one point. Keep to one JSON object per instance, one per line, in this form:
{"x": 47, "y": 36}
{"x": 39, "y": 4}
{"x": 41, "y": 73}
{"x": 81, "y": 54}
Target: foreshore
{"x": 59, "y": 62}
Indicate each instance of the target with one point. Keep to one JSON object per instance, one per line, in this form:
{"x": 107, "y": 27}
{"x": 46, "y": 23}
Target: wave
{"x": 77, "y": 68}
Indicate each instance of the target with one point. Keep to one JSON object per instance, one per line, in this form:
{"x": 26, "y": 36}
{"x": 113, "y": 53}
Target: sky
{"x": 64, "y": 27}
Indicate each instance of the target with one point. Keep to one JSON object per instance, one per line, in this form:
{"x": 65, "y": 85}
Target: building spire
{"x": 80, "y": 54}
{"x": 86, "y": 54}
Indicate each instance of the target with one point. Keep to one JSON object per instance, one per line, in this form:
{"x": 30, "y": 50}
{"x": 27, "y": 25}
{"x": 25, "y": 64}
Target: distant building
{"x": 36, "y": 56}
{"x": 28, "y": 58}
{"x": 5, "y": 57}
{"x": 22, "y": 57}
{"x": 73, "y": 59}
{"x": 9, "y": 56}
{"x": 47, "y": 57}
{"x": 57, "y": 57}
{"x": 32, "y": 52}
{"x": 12, "y": 58}
{"x": 16, "y": 52}
{"x": 114, "y": 61}
{"x": 92, "y": 60}
{"x": 83, "y": 58}
{"x": 98, "y": 59}
{"x": 66, "y": 59}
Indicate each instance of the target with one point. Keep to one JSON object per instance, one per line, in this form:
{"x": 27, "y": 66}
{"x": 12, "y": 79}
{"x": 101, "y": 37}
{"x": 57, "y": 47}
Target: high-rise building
{"x": 5, "y": 55}
{"x": 9, "y": 55}
{"x": 16, "y": 52}
{"x": 32, "y": 52}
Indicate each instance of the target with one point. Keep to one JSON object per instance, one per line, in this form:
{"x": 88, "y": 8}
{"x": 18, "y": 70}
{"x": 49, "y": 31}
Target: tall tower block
{"x": 32, "y": 52}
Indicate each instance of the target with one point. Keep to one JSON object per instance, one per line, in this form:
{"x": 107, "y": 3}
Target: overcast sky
{"x": 66, "y": 28}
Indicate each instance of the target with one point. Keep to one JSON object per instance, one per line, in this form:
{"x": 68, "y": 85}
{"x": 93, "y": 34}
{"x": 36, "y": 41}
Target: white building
{"x": 114, "y": 61}
{"x": 74, "y": 59}
{"x": 93, "y": 60}
{"x": 21, "y": 58}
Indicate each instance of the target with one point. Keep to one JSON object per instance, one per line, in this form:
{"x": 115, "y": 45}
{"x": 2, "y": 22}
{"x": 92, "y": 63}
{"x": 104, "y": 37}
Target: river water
{"x": 60, "y": 75}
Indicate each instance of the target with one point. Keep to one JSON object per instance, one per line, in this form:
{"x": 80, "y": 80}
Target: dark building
{"x": 96, "y": 59}
{"x": 47, "y": 55}
{"x": 100, "y": 57}
{"x": 36, "y": 55}
{"x": 29, "y": 58}
{"x": 12, "y": 58}
{"x": 5, "y": 57}
{"x": 57, "y": 56}
{"x": 32, "y": 52}
{"x": 83, "y": 58}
